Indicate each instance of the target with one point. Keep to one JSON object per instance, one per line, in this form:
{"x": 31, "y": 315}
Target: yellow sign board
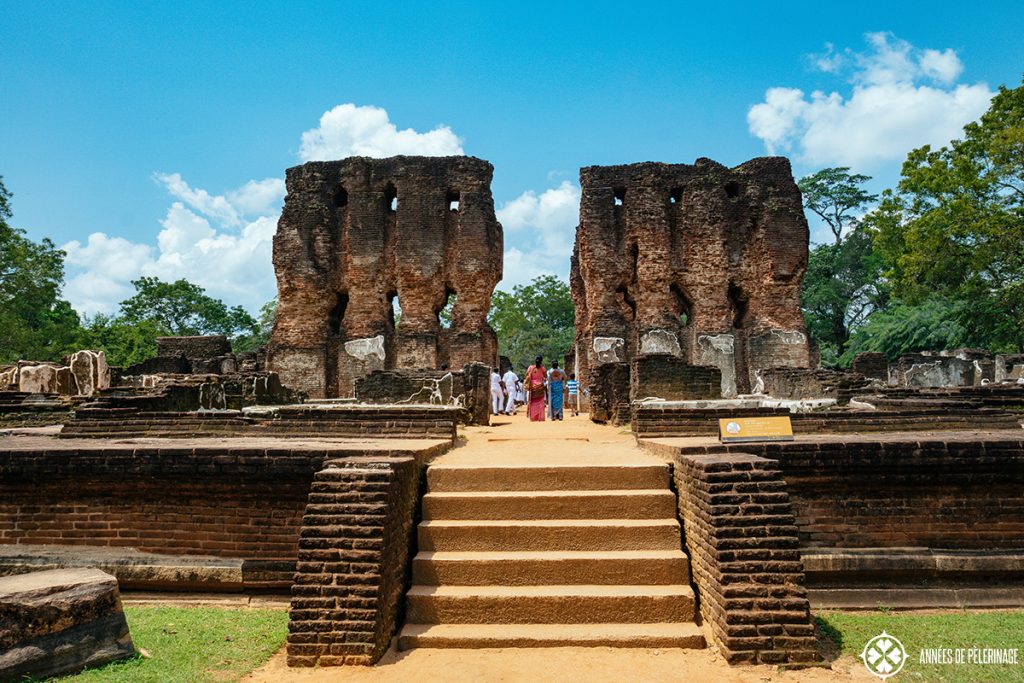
{"x": 740, "y": 429}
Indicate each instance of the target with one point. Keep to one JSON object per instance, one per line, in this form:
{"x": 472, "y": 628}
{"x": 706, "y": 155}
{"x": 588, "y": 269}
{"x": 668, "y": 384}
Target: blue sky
{"x": 150, "y": 138}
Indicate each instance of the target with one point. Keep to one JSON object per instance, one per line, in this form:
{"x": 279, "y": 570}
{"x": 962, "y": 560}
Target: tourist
{"x": 510, "y": 379}
{"x": 520, "y": 394}
{"x": 497, "y": 395}
{"x": 536, "y": 384}
{"x": 556, "y": 383}
{"x": 574, "y": 394}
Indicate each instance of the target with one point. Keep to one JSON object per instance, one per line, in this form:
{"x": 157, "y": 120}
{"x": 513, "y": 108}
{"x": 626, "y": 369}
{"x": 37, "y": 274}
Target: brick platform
{"x": 879, "y": 509}
{"x": 232, "y": 498}
{"x": 664, "y": 419}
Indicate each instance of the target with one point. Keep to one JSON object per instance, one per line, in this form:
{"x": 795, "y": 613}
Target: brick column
{"x": 352, "y": 564}
{"x": 743, "y": 546}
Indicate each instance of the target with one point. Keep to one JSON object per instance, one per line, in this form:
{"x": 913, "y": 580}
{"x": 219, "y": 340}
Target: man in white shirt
{"x": 497, "y": 395}
{"x": 509, "y": 379}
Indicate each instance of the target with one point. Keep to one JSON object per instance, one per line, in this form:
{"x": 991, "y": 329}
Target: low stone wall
{"x": 651, "y": 420}
{"x": 807, "y": 383}
{"x": 876, "y": 509}
{"x": 742, "y": 540}
{"x": 312, "y": 420}
{"x": 353, "y": 560}
{"x": 468, "y": 388}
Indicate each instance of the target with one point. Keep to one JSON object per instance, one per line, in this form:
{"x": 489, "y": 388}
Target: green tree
{"x": 534, "y": 320}
{"x": 955, "y": 226}
{"x": 903, "y": 328}
{"x": 264, "y": 326}
{"x": 183, "y": 308}
{"x": 124, "y": 343}
{"x": 35, "y": 323}
{"x": 836, "y": 196}
{"x": 842, "y": 284}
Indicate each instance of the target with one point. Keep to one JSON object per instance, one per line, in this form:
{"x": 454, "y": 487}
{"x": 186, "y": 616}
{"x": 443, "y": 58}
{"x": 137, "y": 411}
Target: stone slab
{"x": 60, "y": 621}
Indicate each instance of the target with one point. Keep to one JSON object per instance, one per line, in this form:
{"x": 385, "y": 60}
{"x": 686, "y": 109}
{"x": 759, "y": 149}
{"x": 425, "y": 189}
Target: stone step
{"x": 551, "y": 567}
{"x": 549, "y": 534}
{"x": 670, "y": 635}
{"x": 630, "y": 475}
{"x": 607, "y": 504}
{"x": 555, "y": 604}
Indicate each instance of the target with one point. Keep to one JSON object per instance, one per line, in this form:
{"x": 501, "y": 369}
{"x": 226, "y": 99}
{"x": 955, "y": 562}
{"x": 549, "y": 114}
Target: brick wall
{"x": 742, "y": 540}
{"x": 673, "y": 379}
{"x": 242, "y": 503}
{"x": 960, "y": 493}
{"x": 200, "y": 347}
{"x": 353, "y": 562}
{"x": 609, "y": 393}
{"x": 227, "y": 501}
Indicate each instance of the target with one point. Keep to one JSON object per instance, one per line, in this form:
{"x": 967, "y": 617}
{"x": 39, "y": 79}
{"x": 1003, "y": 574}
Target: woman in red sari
{"x": 535, "y": 381}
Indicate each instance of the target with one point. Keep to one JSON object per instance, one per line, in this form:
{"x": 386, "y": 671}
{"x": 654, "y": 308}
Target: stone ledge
{"x": 847, "y": 566}
{"x": 136, "y": 570}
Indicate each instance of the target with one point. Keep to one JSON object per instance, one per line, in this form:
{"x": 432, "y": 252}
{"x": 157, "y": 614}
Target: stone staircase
{"x": 550, "y": 555}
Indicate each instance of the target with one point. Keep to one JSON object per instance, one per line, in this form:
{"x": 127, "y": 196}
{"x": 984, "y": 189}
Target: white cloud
{"x": 258, "y": 197}
{"x": 223, "y": 242}
{"x": 350, "y": 130}
{"x": 215, "y": 206}
{"x": 233, "y": 265}
{"x": 901, "y": 98}
{"x": 543, "y": 228}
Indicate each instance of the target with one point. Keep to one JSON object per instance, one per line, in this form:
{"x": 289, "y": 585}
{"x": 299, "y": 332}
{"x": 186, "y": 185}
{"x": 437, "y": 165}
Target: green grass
{"x": 190, "y": 644}
{"x": 850, "y": 631}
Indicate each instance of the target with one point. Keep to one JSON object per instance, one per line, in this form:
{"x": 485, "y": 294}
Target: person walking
{"x": 556, "y": 382}
{"x": 573, "y": 388}
{"x": 536, "y": 383}
{"x": 497, "y": 395}
{"x": 510, "y": 379}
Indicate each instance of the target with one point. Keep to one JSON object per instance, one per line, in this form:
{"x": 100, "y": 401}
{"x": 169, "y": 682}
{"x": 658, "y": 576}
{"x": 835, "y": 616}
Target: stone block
{"x": 90, "y": 371}
{"x": 60, "y": 621}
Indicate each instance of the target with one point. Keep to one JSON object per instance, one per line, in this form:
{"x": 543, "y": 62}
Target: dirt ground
{"x": 517, "y": 440}
{"x": 569, "y": 664}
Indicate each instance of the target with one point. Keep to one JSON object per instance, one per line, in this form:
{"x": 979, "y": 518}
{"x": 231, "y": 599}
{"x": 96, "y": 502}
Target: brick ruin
{"x": 360, "y": 239}
{"x": 700, "y": 261}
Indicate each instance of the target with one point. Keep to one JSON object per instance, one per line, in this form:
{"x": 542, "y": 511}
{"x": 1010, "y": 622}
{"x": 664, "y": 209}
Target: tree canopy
{"x": 35, "y": 322}
{"x": 954, "y": 226}
{"x": 841, "y": 285}
{"x": 534, "y": 320}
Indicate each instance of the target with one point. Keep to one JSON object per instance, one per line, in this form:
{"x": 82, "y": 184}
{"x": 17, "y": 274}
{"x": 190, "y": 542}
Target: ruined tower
{"x": 698, "y": 261}
{"x": 367, "y": 254}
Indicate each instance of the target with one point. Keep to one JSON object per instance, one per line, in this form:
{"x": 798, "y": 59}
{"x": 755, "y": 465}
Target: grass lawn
{"x": 851, "y": 630}
{"x": 194, "y": 644}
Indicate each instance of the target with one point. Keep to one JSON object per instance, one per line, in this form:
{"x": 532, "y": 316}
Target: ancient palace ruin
{"x": 700, "y": 262}
{"x": 363, "y": 240}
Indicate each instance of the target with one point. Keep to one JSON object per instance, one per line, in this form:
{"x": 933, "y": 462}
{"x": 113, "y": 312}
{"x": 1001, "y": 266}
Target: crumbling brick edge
{"x": 353, "y": 561}
{"x": 741, "y": 536}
